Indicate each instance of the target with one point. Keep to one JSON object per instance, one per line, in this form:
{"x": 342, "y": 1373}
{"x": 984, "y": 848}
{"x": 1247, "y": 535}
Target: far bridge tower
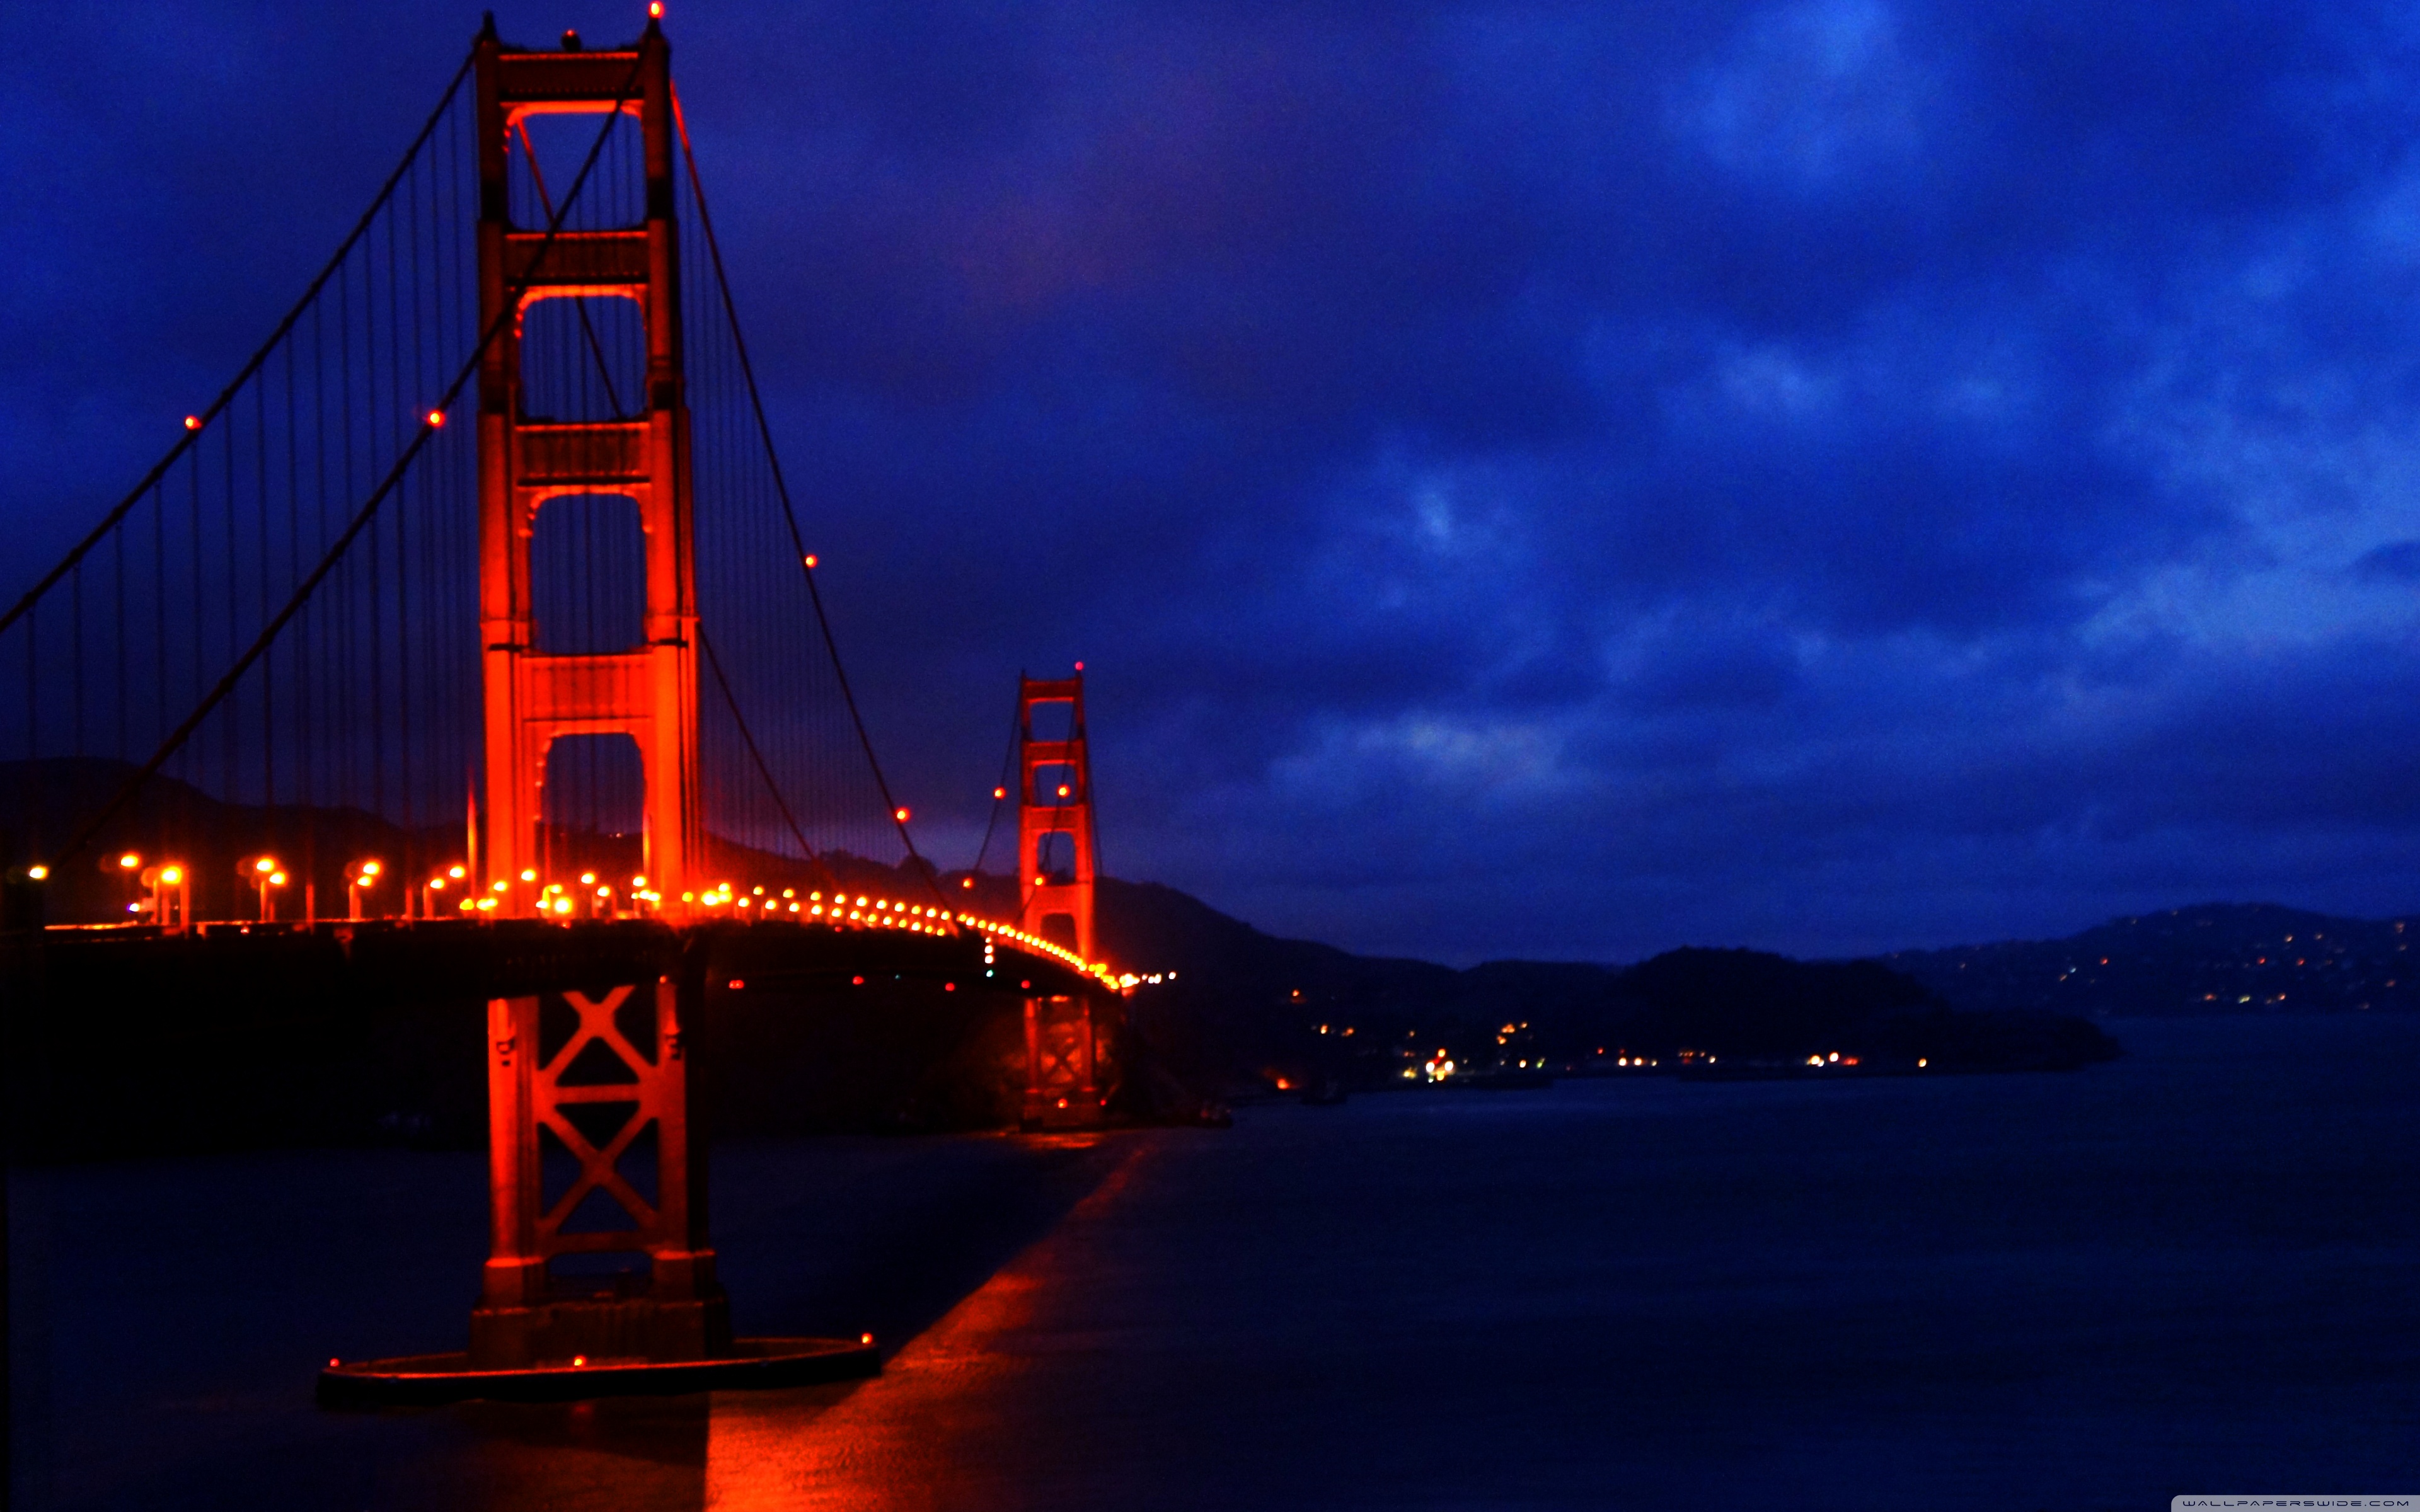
{"x": 1055, "y": 852}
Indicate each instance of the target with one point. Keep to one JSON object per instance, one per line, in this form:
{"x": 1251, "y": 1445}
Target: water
{"x": 2193, "y": 1269}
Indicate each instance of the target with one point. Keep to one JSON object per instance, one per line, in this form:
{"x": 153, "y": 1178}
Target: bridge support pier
{"x": 601, "y": 1085}
{"x": 1062, "y": 1072}
{"x": 591, "y": 1154}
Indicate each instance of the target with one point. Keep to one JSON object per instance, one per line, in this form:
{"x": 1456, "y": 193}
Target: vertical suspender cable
{"x": 798, "y": 541}
{"x": 362, "y": 520}
{"x": 186, "y": 442}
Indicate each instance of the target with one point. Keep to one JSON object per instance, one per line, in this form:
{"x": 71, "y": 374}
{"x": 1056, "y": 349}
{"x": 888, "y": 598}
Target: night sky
{"x": 1557, "y": 481}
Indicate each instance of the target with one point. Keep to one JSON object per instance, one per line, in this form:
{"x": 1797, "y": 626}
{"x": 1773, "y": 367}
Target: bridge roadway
{"x": 131, "y": 1040}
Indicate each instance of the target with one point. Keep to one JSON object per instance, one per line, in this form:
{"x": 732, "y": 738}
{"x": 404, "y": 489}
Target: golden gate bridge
{"x": 479, "y": 600}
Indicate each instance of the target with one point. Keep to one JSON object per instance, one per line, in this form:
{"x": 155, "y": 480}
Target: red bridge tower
{"x": 1055, "y": 849}
{"x": 649, "y": 692}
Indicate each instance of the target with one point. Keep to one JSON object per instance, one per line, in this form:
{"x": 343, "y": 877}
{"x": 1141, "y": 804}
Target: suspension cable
{"x": 714, "y": 664}
{"x": 193, "y": 432}
{"x": 369, "y": 509}
{"x": 1000, "y": 790}
{"x": 789, "y": 513}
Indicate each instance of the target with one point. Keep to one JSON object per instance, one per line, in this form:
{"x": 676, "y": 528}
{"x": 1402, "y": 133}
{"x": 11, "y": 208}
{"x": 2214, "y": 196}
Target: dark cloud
{"x": 1553, "y": 478}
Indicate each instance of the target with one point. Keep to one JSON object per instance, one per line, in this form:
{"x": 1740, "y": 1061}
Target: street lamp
{"x": 357, "y": 876}
{"x": 263, "y": 872}
{"x": 123, "y": 866}
{"x": 172, "y": 894}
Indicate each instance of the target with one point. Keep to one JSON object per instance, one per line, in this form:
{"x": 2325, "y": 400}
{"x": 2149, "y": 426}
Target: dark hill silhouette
{"x": 2211, "y": 958}
{"x": 1243, "y": 1008}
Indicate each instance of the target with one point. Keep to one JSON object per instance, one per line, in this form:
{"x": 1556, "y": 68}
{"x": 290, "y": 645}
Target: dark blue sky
{"x": 1547, "y": 480}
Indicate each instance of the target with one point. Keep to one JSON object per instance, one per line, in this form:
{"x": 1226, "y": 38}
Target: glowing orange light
{"x": 578, "y": 1360}
{"x": 528, "y": 874}
{"x": 264, "y": 864}
{"x": 37, "y": 871}
{"x": 277, "y": 879}
{"x": 437, "y": 420}
{"x": 810, "y": 561}
{"x": 967, "y": 881}
{"x": 1062, "y": 789}
{"x": 193, "y": 422}
{"x": 865, "y": 1338}
{"x": 588, "y": 879}
{"x": 641, "y": 882}
{"x": 900, "y": 814}
{"x": 1000, "y": 793}
{"x": 129, "y": 861}
{"x": 171, "y": 876}
{"x": 656, "y": 9}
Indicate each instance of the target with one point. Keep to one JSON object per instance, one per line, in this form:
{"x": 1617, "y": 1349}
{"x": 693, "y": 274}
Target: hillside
{"x": 2212, "y": 957}
{"x": 1247, "y": 1009}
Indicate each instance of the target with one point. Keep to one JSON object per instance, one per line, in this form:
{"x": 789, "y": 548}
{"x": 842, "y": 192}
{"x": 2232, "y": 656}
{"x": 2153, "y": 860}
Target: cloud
{"x": 1831, "y": 475}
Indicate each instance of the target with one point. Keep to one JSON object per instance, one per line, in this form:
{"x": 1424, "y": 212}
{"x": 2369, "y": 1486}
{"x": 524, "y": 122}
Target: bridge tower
{"x": 649, "y": 692}
{"x": 1054, "y": 856}
{"x": 1054, "y": 817}
{"x": 619, "y": 1070}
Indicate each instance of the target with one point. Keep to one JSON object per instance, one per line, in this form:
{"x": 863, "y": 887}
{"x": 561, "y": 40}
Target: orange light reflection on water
{"x": 900, "y": 1443}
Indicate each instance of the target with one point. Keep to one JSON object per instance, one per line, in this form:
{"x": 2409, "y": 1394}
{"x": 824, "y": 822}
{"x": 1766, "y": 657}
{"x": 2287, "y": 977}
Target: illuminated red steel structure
{"x": 622, "y": 1049}
{"x": 607, "y": 1080}
{"x": 1055, "y": 851}
{"x": 650, "y": 692}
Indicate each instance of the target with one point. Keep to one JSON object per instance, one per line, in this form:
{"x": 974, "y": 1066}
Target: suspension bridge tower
{"x": 1055, "y": 850}
{"x": 647, "y": 693}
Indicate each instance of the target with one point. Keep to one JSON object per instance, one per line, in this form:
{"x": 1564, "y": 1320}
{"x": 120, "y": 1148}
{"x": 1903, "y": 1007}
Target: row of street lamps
{"x": 170, "y": 888}
{"x": 170, "y": 885}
